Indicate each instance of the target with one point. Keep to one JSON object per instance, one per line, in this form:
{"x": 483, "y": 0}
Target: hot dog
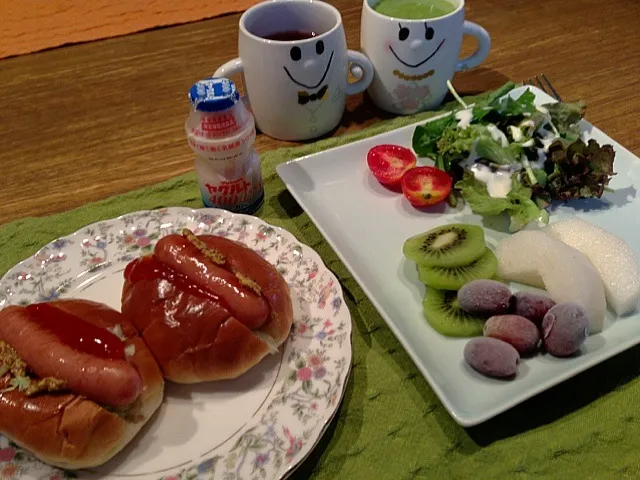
{"x": 247, "y": 306}
{"x": 76, "y": 381}
{"x": 111, "y": 380}
{"x": 209, "y": 308}
{"x": 248, "y": 263}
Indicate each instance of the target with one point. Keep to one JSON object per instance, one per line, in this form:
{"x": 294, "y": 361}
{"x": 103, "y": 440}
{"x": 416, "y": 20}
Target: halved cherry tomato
{"x": 389, "y": 163}
{"x": 424, "y": 186}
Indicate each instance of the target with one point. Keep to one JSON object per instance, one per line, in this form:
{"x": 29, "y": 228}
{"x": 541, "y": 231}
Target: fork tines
{"x": 543, "y": 82}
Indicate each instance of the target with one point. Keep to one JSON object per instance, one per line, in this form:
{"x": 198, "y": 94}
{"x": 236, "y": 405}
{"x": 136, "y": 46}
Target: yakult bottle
{"x": 221, "y": 132}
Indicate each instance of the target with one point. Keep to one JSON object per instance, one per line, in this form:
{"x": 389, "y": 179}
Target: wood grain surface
{"x": 83, "y": 122}
{"x": 33, "y": 25}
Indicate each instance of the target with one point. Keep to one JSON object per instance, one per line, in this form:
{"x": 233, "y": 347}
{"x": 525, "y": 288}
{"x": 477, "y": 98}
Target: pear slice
{"x": 532, "y": 257}
{"x": 612, "y": 257}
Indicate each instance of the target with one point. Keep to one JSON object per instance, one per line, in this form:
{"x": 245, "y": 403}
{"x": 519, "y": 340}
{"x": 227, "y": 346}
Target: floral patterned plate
{"x": 259, "y": 426}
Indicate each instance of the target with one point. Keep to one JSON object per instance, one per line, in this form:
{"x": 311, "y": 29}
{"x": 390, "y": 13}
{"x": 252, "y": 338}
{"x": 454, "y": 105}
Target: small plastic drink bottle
{"x": 221, "y": 131}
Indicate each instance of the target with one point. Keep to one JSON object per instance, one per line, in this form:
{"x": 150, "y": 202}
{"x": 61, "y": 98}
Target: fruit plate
{"x": 366, "y": 225}
{"x": 260, "y": 425}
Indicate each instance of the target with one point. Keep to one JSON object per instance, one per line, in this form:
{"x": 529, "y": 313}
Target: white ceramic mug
{"x": 413, "y": 59}
{"x": 297, "y": 89}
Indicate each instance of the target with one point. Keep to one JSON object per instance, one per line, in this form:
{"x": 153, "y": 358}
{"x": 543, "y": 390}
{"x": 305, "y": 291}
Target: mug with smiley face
{"x": 414, "y": 58}
{"x": 294, "y": 60}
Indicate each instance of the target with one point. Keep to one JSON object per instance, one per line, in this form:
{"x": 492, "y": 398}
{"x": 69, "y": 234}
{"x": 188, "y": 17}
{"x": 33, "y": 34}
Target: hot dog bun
{"x": 195, "y": 334}
{"x": 65, "y": 429}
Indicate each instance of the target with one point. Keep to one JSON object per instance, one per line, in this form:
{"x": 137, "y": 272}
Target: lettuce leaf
{"x": 455, "y": 144}
{"x": 503, "y": 110}
{"x": 518, "y": 107}
{"x": 565, "y": 117}
{"x": 541, "y": 177}
{"x": 495, "y": 96}
{"x": 491, "y": 101}
{"x": 517, "y": 204}
{"x": 539, "y": 194}
{"x": 425, "y": 137}
{"x": 579, "y": 170}
{"x": 489, "y": 149}
{"x": 565, "y": 114}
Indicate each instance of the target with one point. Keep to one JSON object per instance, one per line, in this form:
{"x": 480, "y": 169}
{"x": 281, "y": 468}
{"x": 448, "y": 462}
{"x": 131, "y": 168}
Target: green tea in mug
{"x": 414, "y": 9}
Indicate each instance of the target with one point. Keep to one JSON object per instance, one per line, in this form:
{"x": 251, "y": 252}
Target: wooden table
{"x": 84, "y": 122}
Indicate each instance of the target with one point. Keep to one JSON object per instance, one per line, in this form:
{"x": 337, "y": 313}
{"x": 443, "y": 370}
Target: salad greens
{"x": 517, "y": 204}
{"x": 501, "y": 137}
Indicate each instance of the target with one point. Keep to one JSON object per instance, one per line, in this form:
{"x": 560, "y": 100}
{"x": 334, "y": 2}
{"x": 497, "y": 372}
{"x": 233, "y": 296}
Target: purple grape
{"x": 517, "y": 331}
{"x": 564, "y": 329}
{"x": 484, "y": 297}
{"x": 532, "y": 306}
{"x": 492, "y": 357}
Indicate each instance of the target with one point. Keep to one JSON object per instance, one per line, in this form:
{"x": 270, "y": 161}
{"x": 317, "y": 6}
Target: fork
{"x": 546, "y": 86}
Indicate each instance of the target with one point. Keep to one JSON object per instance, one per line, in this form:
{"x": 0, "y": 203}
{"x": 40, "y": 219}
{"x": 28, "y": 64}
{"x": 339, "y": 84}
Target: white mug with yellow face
{"x": 413, "y": 59}
{"x": 295, "y": 63}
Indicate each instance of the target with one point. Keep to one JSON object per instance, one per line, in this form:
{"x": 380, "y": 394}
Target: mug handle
{"x": 230, "y": 68}
{"x": 484, "y": 45}
{"x": 360, "y": 67}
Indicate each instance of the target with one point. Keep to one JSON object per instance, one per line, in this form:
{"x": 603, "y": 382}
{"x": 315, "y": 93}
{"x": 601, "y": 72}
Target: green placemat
{"x": 390, "y": 424}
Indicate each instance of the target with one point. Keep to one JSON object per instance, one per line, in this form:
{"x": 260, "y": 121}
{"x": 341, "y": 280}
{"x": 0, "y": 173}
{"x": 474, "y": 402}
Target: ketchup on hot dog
{"x": 149, "y": 268}
{"x": 76, "y": 332}
{"x": 60, "y": 342}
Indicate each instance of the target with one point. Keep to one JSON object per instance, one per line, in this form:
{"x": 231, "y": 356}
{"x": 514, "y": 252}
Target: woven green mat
{"x": 390, "y": 424}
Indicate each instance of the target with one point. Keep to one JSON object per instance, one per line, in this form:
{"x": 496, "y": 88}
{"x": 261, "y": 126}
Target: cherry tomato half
{"x": 389, "y": 163}
{"x": 424, "y": 186}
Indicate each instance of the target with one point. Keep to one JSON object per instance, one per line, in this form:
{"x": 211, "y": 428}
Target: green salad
{"x": 507, "y": 155}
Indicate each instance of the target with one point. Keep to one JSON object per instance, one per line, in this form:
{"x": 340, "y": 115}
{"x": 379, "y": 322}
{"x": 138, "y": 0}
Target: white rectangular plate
{"x": 366, "y": 225}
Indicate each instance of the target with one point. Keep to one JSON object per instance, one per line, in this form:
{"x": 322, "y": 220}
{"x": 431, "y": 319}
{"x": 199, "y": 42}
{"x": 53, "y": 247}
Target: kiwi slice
{"x": 443, "y": 312}
{"x": 453, "y": 278}
{"x": 451, "y": 245}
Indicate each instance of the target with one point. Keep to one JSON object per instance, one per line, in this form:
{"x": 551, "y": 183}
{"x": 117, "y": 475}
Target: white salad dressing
{"x": 545, "y": 136}
{"x": 527, "y": 124}
{"x": 464, "y": 118}
{"x": 516, "y": 133}
{"x": 498, "y": 135}
{"x": 498, "y": 183}
{"x": 547, "y": 139}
